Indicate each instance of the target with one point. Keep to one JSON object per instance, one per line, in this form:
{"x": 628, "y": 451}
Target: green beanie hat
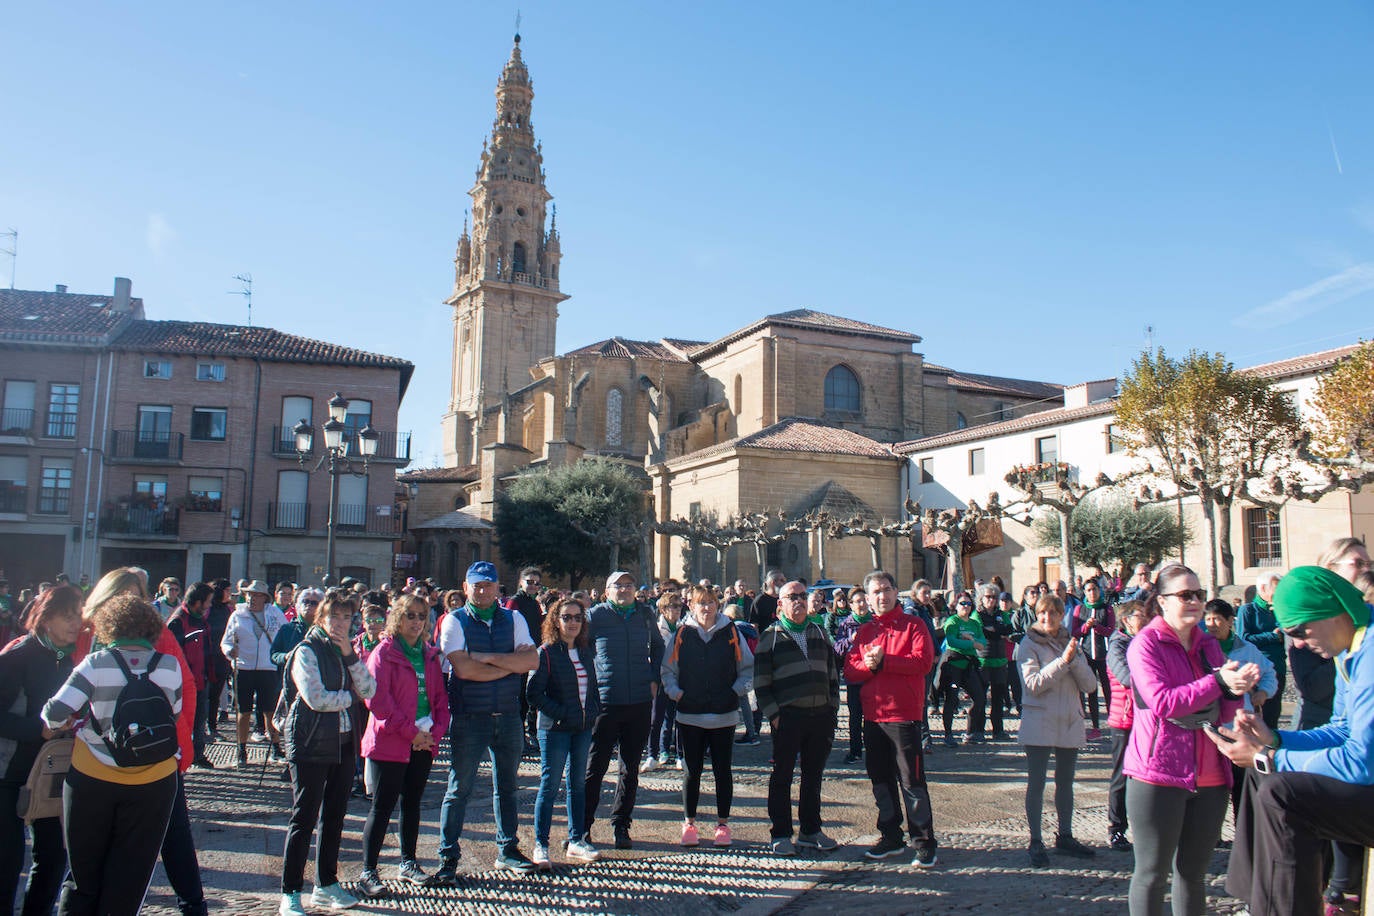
{"x": 1315, "y": 593}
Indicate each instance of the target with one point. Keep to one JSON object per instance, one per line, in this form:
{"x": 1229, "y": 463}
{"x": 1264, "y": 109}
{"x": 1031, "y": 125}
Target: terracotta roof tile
{"x": 991, "y": 430}
{"x": 200, "y": 338}
{"x": 462, "y": 474}
{"x": 800, "y": 434}
{"x": 41, "y": 316}
{"x": 621, "y": 348}
{"x": 807, "y": 318}
{"x": 997, "y": 384}
{"x": 1302, "y": 365}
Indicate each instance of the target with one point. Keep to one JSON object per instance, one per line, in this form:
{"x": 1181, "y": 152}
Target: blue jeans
{"x": 503, "y": 736}
{"x": 663, "y": 728}
{"x": 559, "y": 751}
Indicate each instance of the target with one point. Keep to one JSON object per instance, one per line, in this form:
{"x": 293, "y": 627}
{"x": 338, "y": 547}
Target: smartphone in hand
{"x": 1211, "y": 729}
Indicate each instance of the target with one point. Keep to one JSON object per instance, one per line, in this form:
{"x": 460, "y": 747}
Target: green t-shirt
{"x": 963, "y": 637}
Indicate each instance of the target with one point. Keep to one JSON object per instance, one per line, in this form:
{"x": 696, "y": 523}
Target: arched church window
{"x": 615, "y": 406}
{"x": 960, "y": 421}
{"x": 739, "y": 395}
{"x": 842, "y": 390}
{"x": 517, "y": 260}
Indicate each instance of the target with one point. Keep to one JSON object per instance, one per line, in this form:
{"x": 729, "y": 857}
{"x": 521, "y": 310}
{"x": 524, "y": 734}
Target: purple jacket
{"x": 1175, "y": 682}
{"x": 391, "y": 727}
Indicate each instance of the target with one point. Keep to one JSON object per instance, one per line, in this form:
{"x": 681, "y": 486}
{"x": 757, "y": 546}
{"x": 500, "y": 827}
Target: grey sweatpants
{"x": 1175, "y": 832}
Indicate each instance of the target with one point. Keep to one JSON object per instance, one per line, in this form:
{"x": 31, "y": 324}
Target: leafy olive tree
{"x": 1113, "y": 532}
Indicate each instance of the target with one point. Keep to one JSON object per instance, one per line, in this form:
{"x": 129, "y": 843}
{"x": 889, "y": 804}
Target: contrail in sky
{"x": 1334, "y": 152}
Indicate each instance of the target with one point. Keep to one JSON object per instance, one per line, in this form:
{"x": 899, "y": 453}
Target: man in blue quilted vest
{"x": 490, "y": 651}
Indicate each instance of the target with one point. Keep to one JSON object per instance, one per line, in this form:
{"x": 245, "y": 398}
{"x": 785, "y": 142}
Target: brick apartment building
{"x": 168, "y": 445}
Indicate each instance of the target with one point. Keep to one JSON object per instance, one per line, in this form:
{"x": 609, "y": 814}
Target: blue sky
{"x": 1027, "y": 186}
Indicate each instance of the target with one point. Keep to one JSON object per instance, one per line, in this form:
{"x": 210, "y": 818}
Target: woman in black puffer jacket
{"x": 31, "y": 671}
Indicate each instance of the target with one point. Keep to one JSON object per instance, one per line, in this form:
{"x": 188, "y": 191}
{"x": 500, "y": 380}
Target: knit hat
{"x": 1311, "y": 593}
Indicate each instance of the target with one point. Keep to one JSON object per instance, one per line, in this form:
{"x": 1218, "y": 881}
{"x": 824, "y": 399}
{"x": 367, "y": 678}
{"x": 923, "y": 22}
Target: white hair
{"x": 1268, "y": 577}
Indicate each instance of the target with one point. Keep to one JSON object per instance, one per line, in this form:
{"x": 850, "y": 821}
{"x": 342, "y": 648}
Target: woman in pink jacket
{"x": 409, "y": 716}
{"x": 1178, "y": 782}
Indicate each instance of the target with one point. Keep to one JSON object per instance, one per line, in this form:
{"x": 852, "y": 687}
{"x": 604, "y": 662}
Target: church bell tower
{"x": 505, "y": 287}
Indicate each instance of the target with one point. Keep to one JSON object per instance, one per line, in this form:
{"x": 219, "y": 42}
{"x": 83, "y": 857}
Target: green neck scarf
{"x": 60, "y": 651}
{"x": 368, "y": 642}
{"x": 794, "y": 628}
{"x": 1097, "y": 605}
{"x": 863, "y": 618}
{"x": 1260, "y": 603}
{"x": 415, "y": 653}
{"x": 624, "y": 610}
{"x": 324, "y": 634}
{"x": 1228, "y": 643}
{"x": 484, "y": 614}
{"x": 672, "y": 625}
{"x": 132, "y": 643}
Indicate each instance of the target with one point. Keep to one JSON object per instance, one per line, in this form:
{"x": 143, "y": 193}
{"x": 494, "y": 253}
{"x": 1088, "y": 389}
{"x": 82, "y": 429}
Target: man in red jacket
{"x": 891, "y": 656}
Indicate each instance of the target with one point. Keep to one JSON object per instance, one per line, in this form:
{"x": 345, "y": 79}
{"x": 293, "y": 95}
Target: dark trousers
{"x": 996, "y": 677}
{"x": 853, "y": 700}
{"x": 1099, "y": 668}
{"x": 199, "y": 728}
{"x": 970, "y": 680}
{"x": 808, "y": 738}
{"x": 179, "y": 855}
{"x": 112, "y": 833}
{"x": 1273, "y": 707}
{"x": 1175, "y": 833}
{"x": 1286, "y": 823}
{"x": 316, "y": 786}
{"x": 49, "y": 858}
{"x": 403, "y": 781}
{"x": 695, "y": 741}
{"x": 1117, "y": 821}
{"x": 663, "y": 727}
{"x": 623, "y": 729}
{"x": 214, "y": 690}
{"x": 896, "y": 767}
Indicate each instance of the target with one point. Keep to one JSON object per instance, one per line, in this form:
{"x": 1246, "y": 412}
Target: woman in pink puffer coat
{"x": 1178, "y": 783}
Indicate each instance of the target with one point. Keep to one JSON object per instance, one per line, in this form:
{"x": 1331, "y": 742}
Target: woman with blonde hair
{"x": 409, "y": 715}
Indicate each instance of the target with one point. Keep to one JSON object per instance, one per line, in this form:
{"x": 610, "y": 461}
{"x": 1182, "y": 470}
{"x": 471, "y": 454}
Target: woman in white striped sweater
{"x": 113, "y": 816}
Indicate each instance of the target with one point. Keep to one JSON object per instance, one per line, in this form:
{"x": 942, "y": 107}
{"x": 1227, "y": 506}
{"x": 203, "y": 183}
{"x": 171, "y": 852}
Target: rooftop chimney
{"x": 120, "y": 302}
{"x": 61, "y": 287}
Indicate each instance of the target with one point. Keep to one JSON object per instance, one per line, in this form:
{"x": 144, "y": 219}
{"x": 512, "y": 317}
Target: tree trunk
{"x": 1209, "y": 539}
{"x": 875, "y": 549}
{"x": 760, "y": 554}
{"x": 615, "y": 555}
{"x": 1228, "y": 559}
{"x": 1066, "y": 547}
{"x": 954, "y": 575}
{"x": 820, "y": 550}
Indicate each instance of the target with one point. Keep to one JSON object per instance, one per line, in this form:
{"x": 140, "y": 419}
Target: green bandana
{"x": 483, "y": 614}
{"x": 369, "y": 643}
{"x": 1101, "y": 603}
{"x": 791, "y": 627}
{"x": 1311, "y": 593}
{"x": 1260, "y": 603}
{"x": 1228, "y": 643}
{"x": 862, "y": 618}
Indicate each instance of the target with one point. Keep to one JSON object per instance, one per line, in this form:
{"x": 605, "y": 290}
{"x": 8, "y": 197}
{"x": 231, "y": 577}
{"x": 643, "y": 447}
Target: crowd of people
{"x": 354, "y": 691}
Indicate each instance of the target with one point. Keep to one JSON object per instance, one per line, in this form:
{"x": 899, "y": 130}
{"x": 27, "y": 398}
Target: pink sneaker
{"x": 689, "y": 835}
{"x": 722, "y": 835}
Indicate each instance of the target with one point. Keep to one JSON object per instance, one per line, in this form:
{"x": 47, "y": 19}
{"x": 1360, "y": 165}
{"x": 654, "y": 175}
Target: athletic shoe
{"x": 853, "y": 758}
{"x": 257, "y": 737}
{"x": 541, "y": 855}
{"x": 782, "y": 846}
{"x": 410, "y": 871}
{"x": 722, "y": 837}
{"x": 979, "y": 739}
{"x": 447, "y": 875}
{"x": 514, "y": 861}
{"x": 1339, "y": 904}
{"x": 950, "y": 742}
{"x": 1001, "y": 736}
{"x": 1071, "y": 847}
{"x": 649, "y": 765}
{"x": 689, "y": 835}
{"x": 1038, "y": 857}
{"x": 291, "y": 905}
{"x": 966, "y": 740}
{"x": 622, "y": 838}
{"x": 203, "y": 762}
{"x": 925, "y": 857}
{"x": 817, "y": 840}
{"x": 754, "y": 741}
{"x": 885, "y": 848}
{"x": 581, "y": 849}
{"x": 1117, "y": 841}
{"x": 370, "y": 884}
{"x": 681, "y": 765}
{"x": 1094, "y": 734}
{"x": 276, "y": 753}
{"x": 332, "y": 897}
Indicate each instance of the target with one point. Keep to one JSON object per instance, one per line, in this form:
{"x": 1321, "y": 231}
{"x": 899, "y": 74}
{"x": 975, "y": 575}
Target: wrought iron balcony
{"x": 16, "y": 421}
{"x": 150, "y": 521}
{"x": 130, "y": 446}
{"x": 363, "y": 521}
{"x": 14, "y": 497}
{"x": 288, "y": 516}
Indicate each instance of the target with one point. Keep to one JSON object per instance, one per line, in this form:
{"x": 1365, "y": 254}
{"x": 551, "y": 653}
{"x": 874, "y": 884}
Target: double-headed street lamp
{"x": 337, "y": 458}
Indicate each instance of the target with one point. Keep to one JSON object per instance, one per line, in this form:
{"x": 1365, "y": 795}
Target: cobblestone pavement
{"x": 239, "y": 818}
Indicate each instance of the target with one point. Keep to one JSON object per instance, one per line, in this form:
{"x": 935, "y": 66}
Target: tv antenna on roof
{"x": 247, "y": 293}
{"x": 1150, "y": 338}
{"x": 12, "y": 250}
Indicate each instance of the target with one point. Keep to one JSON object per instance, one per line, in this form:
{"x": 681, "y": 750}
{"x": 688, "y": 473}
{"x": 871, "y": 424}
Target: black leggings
{"x": 1037, "y": 766}
{"x": 970, "y": 679}
{"x": 1099, "y": 668}
{"x": 694, "y": 742}
{"x": 405, "y": 781}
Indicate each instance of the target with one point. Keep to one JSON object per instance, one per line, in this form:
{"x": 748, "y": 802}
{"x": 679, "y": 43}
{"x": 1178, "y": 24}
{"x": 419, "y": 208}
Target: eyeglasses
{"x": 414, "y": 615}
{"x": 798, "y": 597}
{"x": 571, "y": 618}
{"x": 1188, "y": 594}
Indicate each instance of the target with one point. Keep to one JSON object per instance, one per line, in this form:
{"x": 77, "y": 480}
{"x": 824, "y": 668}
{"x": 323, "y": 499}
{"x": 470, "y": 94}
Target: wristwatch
{"x": 1264, "y": 762}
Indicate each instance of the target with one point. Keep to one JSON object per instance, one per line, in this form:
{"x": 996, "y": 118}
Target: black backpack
{"x": 143, "y": 728}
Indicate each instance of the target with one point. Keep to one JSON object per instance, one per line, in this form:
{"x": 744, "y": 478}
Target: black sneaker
{"x": 853, "y": 758}
{"x": 622, "y": 838}
{"x": 276, "y": 753}
{"x": 370, "y": 884}
{"x": 885, "y": 848}
{"x": 1117, "y": 841}
{"x": 203, "y": 762}
{"x": 1038, "y": 857}
{"x": 1071, "y": 847}
{"x": 446, "y": 876}
{"x": 515, "y": 861}
{"x": 243, "y": 755}
{"x": 925, "y": 856}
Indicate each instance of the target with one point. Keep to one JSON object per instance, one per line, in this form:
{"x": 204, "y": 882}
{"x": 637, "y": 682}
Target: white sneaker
{"x": 291, "y": 905}
{"x": 649, "y": 765}
{"x": 581, "y": 849}
{"x": 541, "y": 855}
{"x": 681, "y": 765}
{"x": 333, "y": 897}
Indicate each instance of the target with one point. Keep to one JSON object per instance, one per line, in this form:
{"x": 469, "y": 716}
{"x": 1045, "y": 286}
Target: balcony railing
{"x": 16, "y": 421}
{"x": 61, "y": 426}
{"x": 14, "y": 497}
{"x": 54, "y": 500}
{"x": 134, "y": 447}
{"x": 141, "y": 521}
{"x": 288, "y": 516}
{"x": 363, "y": 521}
{"x": 284, "y": 442}
{"x": 390, "y": 446}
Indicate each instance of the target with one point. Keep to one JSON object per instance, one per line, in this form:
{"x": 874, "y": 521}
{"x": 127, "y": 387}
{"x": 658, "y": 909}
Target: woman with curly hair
{"x": 115, "y": 813}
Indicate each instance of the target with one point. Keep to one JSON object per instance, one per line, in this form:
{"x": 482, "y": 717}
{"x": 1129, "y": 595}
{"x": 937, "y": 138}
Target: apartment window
{"x": 975, "y": 461}
{"x": 960, "y": 421}
{"x": 927, "y": 470}
{"x": 1262, "y": 544}
{"x": 205, "y": 494}
{"x": 351, "y": 511}
{"x": 291, "y": 509}
{"x": 17, "y": 419}
{"x": 154, "y": 423}
{"x": 63, "y": 401}
{"x": 150, "y": 492}
{"x": 209, "y": 372}
{"x": 54, "y": 495}
{"x": 208, "y": 424}
{"x": 282, "y": 572}
{"x": 694, "y": 510}
{"x": 1114, "y": 443}
{"x": 14, "y": 483}
{"x": 1047, "y": 450}
{"x": 157, "y": 368}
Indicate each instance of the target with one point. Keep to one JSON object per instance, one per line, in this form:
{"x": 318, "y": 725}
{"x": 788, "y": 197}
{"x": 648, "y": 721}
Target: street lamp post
{"x": 336, "y": 458}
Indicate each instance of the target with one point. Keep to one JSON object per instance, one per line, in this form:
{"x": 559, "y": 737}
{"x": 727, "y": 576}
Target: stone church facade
{"x": 791, "y": 411}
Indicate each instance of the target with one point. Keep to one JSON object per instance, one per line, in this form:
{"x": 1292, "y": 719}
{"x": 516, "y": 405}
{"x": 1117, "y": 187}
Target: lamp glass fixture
{"x": 333, "y": 433}
{"x": 338, "y": 407}
{"x": 305, "y": 436}
{"x": 367, "y": 441}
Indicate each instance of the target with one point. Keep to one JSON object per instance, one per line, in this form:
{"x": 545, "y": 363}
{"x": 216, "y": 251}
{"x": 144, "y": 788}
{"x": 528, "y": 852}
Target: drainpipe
{"x": 251, "y": 480}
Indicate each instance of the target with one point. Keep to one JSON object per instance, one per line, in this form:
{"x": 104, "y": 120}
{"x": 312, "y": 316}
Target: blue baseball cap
{"x": 481, "y": 571}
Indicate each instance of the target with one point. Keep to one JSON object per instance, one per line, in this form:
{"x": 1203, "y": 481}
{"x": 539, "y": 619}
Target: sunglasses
{"x": 965, "y": 604}
{"x": 414, "y": 615}
{"x": 376, "y": 620}
{"x": 571, "y": 618}
{"x": 1188, "y": 594}
{"x": 801, "y": 597}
